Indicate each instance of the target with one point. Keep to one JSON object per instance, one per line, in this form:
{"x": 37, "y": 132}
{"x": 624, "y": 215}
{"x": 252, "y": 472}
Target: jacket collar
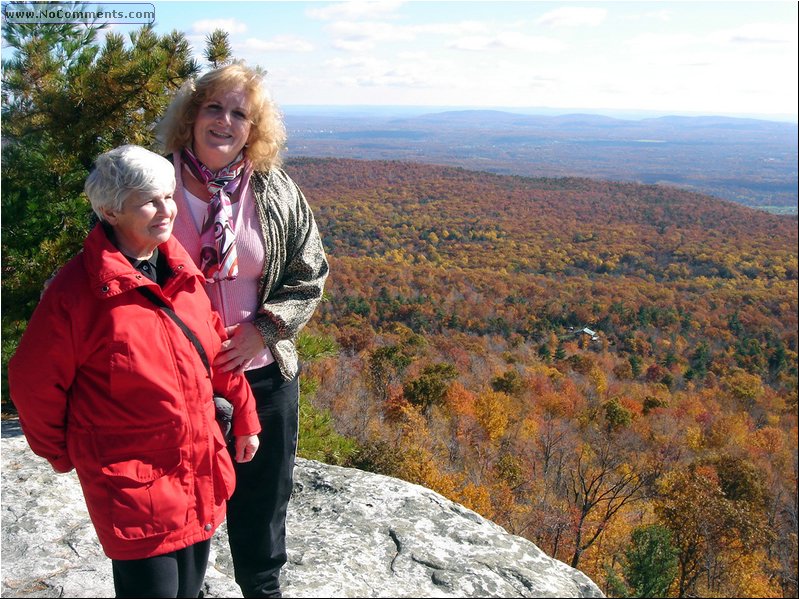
{"x": 111, "y": 273}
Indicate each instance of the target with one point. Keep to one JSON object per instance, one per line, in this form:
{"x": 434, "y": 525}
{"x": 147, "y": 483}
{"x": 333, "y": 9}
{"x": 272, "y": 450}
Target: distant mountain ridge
{"x": 747, "y": 161}
{"x": 472, "y": 117}
{"x": 527, "y": 204}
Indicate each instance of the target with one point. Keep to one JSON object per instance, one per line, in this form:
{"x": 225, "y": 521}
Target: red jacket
{"x": 105, "y": 382}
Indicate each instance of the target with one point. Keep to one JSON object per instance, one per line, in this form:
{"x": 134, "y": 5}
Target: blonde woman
{"x": 251, "y": 232}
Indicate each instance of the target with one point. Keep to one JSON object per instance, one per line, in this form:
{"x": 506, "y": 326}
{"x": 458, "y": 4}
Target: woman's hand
{"x": 246, "y": 446}
{"x": 243, "y": 344}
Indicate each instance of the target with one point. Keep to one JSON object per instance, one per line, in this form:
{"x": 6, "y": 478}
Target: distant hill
{"x": 473, "y": 228}
{"x": 497, "y": 118}
{"x": 529, "y": 209}
{"x": 747, "y": 161}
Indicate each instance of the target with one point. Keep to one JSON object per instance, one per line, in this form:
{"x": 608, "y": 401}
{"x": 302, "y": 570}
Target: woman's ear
{"x": 109, "y": 215}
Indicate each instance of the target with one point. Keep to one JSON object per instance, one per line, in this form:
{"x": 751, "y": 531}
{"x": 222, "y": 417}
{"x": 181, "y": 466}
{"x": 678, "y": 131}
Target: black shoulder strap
{"x": 148, "y": 293}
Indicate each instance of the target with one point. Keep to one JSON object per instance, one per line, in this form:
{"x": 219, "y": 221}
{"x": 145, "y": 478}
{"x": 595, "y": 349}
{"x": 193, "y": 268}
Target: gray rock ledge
{"x": 350, "y": 534}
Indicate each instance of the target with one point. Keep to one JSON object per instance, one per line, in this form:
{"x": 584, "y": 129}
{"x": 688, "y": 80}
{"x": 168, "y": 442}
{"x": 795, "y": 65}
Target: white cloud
{"x": 657, "y": 15}
{"x": 762, "y": 33}
{"x": 530, "y": 43}
{"x": 361, "y": 62}
{"x": 412, "y": 56}
{"x": 661, "y": 42}
{"x": 392, "y": 78}
{"x": 573, "y": 17}
{"x": 370, "y": 30}
{"x": 354, "y": 10}
{"x": 725, "y": 51}
{"x": 281, "y": 43}
{"x": 508, "y": 41}
{"x": 209, "y": 25}
{"x": 450, "y": 29}
{"x": 365, "y": 35}
{"x": 477, "y": 43}
{"x": 353, "y": 45}
{"x": 370, "y": 71}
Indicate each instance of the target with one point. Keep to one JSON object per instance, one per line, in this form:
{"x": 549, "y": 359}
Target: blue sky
{"x": 730, "y": 57}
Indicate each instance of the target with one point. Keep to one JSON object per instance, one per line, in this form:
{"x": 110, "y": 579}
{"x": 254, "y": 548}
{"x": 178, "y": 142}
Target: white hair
{"x": 125, "y": 170}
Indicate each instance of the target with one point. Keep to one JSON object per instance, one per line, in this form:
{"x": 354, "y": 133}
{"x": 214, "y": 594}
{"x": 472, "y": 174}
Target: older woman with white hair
{"x": 106, "y": 381}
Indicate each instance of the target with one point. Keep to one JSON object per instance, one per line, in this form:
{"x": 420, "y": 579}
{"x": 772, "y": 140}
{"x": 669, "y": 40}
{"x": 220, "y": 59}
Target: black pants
{"x": 176, "y": 574}
{"x": 256, "y": 514}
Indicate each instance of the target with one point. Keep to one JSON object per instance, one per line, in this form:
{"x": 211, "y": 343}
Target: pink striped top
{"x": 236, "y": 301}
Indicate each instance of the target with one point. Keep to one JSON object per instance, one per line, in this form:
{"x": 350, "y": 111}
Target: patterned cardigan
{"x": 295, "y": 266}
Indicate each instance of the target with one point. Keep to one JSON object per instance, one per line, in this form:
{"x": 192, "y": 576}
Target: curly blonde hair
{"x": 267, "y": 133}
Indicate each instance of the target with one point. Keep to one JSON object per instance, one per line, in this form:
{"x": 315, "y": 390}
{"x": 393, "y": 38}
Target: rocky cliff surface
{"x": 351, "y": 534}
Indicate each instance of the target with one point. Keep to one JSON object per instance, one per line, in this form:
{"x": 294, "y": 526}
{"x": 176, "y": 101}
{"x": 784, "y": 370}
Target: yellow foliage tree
{"x": 477, "y": 498}
{"x": 491, "y": 409}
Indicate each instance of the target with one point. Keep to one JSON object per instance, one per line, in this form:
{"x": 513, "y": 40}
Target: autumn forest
{"x": 607, "y": 369}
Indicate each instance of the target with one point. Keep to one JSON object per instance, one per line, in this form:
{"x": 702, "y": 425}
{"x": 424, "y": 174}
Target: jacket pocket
{"x": 147, "y": 494}
{"x": 148, "y": 484}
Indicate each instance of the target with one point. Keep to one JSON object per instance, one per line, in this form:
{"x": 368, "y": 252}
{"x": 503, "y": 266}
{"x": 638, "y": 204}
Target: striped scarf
{"x": 218, "y": 259}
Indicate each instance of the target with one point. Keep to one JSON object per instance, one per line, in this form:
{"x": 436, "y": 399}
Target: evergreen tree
{"x": 636, "y": 364}
{"x": 509, "y": 383}
{"x": 318, "y": 439}
{"x": 700, "y": 362}
{"x": 431, "y": 387}
{"x": 616, "y": 415}
{"x": 651, "y": 562}
{"x": 68, "y": 97}
{"x": 545, "y": 354}
{"x": 217, "y": 48}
